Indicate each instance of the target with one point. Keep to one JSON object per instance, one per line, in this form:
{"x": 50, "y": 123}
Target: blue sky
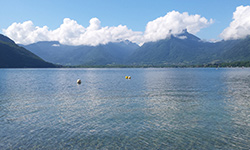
{"x": 135, "y": 14}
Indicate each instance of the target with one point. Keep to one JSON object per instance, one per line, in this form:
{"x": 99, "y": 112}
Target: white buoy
{"x": 79, "y": 81}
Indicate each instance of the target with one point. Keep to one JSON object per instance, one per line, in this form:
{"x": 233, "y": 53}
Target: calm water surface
{"x": 156, "y": 109}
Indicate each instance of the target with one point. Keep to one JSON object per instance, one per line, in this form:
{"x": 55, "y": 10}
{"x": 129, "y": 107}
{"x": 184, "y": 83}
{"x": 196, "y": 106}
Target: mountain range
{"x": 14, "y": 56}
{"x": 187, "y": 49}
{"x": 111, "y": 53}
{"x": 182, "y": 49}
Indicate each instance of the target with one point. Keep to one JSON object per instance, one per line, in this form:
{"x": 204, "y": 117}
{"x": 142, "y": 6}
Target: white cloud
{"x": 240, "y": 26}
{"x": 174, "y": 23}
{"x": 182, "y": 37}
{"x": 67, "y": 33}
{"x": 56, "y": 45}
{"x": 26, "y": 32}
{"x": 94, "y": 24}
{"x": 72, "y": 33}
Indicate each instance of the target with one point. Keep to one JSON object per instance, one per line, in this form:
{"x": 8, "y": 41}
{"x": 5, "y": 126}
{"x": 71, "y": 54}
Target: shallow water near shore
{"x": 158, "y": 108}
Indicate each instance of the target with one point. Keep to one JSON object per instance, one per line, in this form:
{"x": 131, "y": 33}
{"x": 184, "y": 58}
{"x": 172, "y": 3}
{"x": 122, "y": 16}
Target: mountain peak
{"x": 186, "y": 35}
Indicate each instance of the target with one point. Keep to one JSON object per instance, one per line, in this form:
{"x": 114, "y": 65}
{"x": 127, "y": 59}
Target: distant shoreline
{"x": 219, "y": 65}
{"x": 244, "y": 64}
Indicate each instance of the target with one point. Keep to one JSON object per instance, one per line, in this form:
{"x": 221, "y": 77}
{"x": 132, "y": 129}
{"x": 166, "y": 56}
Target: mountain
{"x": 5, "y": 39}
{"x": 180, "y": 49}
{"x": 111, "y": 53}
{"x": 51, "y": 51}
{"x": 239, "y": 51}
{"x": 104, "y": 54}
{"x": 187, "y": 49}
{"x": 14, "y": 56}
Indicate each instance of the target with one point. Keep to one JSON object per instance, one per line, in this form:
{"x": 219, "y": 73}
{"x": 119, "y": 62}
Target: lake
{"x": 158, "y": 108}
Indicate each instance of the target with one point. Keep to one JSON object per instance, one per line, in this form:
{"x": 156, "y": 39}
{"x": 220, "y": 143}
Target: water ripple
{"x": 156, "y": 109}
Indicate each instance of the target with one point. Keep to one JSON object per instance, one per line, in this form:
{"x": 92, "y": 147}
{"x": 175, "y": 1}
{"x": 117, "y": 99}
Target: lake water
{"x": 157, "y": 109}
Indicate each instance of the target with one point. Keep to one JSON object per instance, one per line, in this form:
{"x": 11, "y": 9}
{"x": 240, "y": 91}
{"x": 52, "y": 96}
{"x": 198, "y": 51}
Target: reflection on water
{"x": 238, "y": 104}
{"x": 156, "y": 109}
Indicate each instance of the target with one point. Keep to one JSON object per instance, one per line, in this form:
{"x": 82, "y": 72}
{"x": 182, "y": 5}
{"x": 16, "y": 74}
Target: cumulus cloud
{"x": 240, "y": 26}
{"x": 94, "y": 24}
{"x": 26, "y": 32}
{"x": 72, "y": 33}
{"x": 67, "y": 33}
{"x": 174, "y": 23}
